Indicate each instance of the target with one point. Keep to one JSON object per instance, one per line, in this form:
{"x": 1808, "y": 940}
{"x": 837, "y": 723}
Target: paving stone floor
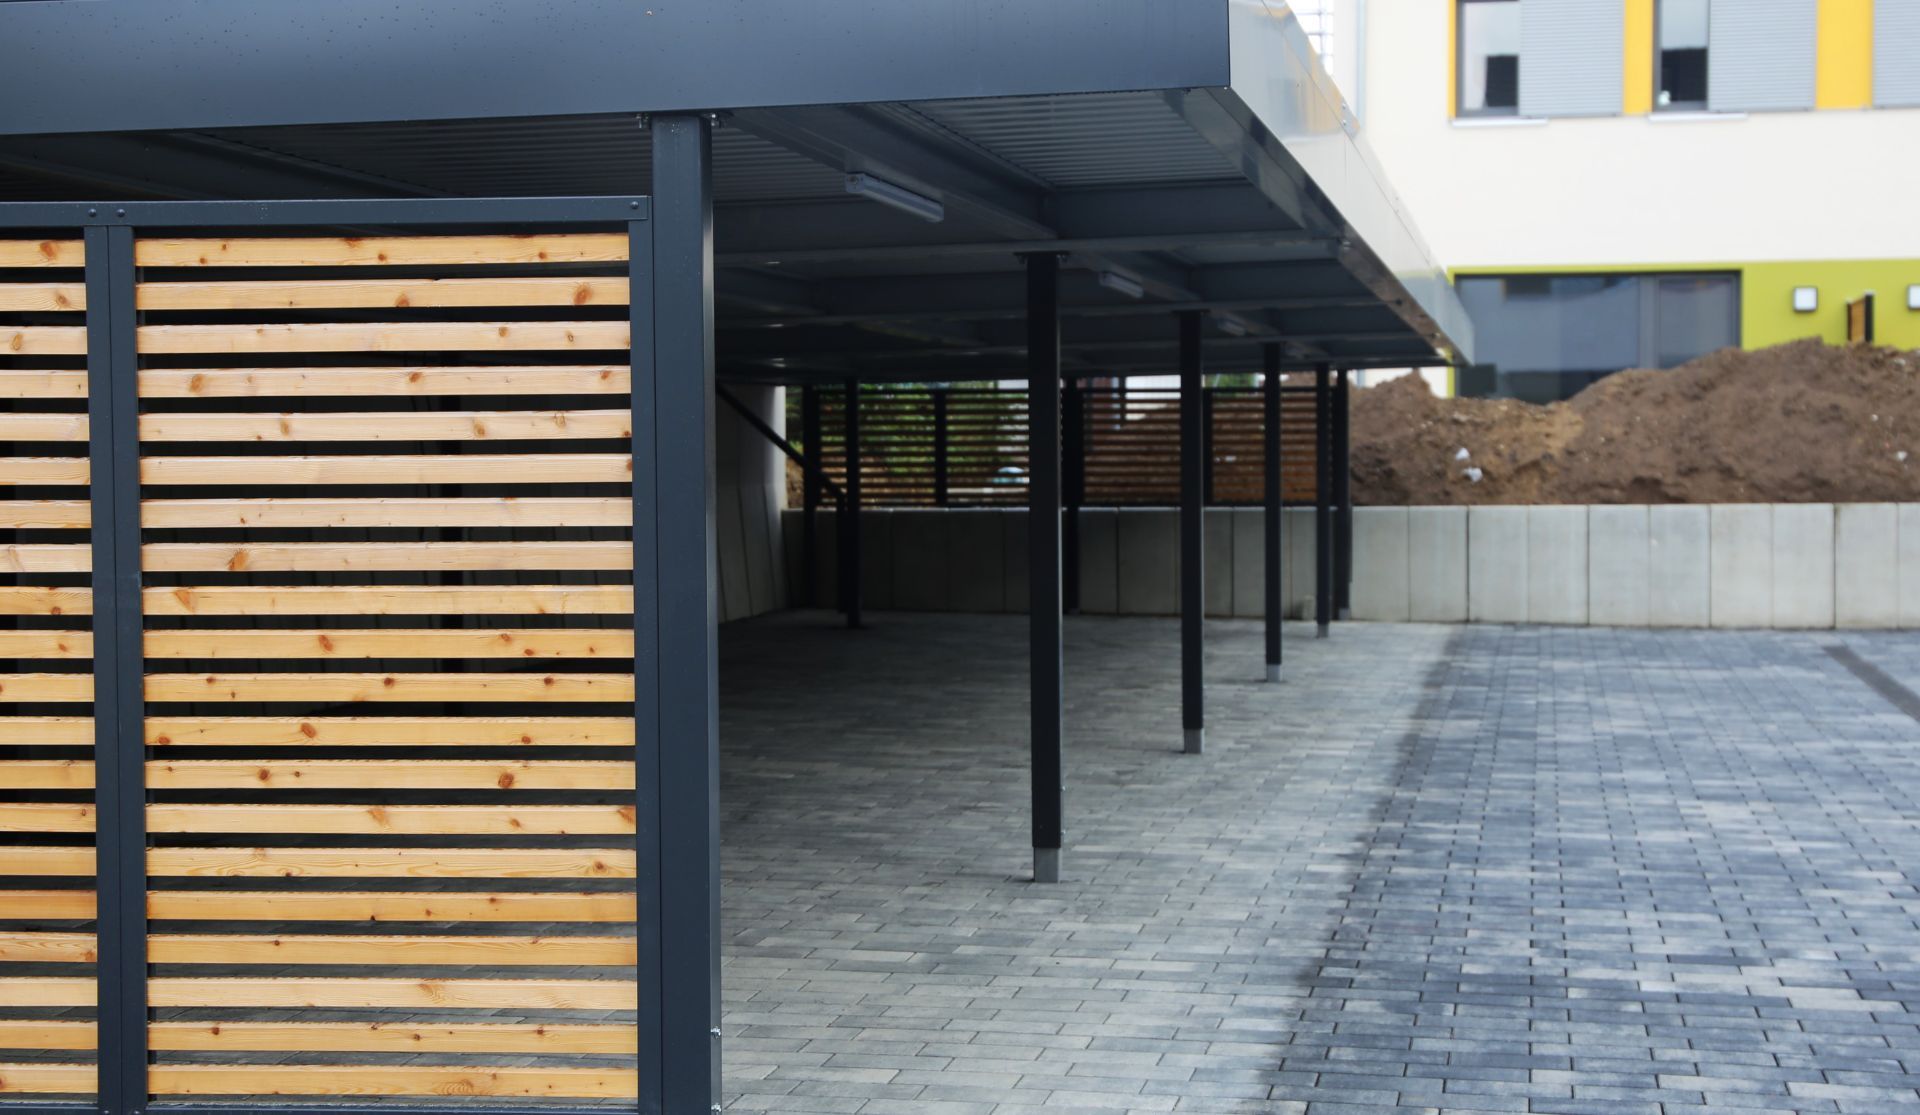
{"x": 1436, "y": 870}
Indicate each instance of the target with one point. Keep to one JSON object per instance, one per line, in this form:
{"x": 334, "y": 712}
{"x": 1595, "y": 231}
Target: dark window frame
{"x": 1660, "y": 65}
{"x": 1460, "y": 68}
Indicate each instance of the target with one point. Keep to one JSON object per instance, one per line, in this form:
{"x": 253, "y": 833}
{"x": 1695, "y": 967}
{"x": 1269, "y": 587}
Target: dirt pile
{"x": 1799, "y": 423}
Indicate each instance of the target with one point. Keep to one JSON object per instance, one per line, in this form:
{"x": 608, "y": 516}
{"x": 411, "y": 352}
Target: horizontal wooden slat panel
{"x": 389, "y": 600}
{"x": 458, "y": 468}
{"x": 43, "y": 253}
{"x": 45, "y": 817}
{"x": 416, "y": 863}
{"x": 50, "y": 905}
{"x": 51, "y": 862}
{"x": 36, "y": 297}
{"x": 46, "y": 644}
{"x": 21, "y": 383}
{"x": 43, "y": 427}
{"x": 377, "y": 294}
{"x": 43, "y": 340}
{"x": 67, "y": 948}
{"x": 307, "y": 557}
{"x": 49, "y": 730}
{"x": 46, "y": 687}
{"x": 416, "y": 993}
{"x": 388, "y": 731}
{"x": 397, "y": 820}
{"x": 416, "y": 774}
{"x": 446, "y": 425}
{"x": 233, "y": 948}
{"x": 47, "y": 1034}
{"x": 43, "y": 470}
{"x": 408, "y": 336}
{"x": 20, "y": 600}
{"x": 48, "y": 991}
{"x": 227, "y": 905}
{"x": 384, "y": 251}
{"x": 386, "y": 643}
{"x": 535, "y": 511}
{"x": 393, "y": 1037}
{"x": 390, "y": 1080}
{"x": 46, "y": 514}
{"x": 239, "y": 383}
{"x": 45, "y": 774}
{"x": 61, "y": 558}
{"x": 313, "y": 688}
{"x": 46, "y": 1079}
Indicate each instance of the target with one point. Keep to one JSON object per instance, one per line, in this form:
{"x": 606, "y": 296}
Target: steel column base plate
{"x": 1320, "y": 631}
{"x": 1196, "y": 740}
{"x": 1273, "y": 671}
{"x": 1046, "y": 865}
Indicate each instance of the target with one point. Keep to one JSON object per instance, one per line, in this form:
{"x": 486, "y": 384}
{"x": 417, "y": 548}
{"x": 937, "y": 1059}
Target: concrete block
{"x": 1437, "y": 564}
{"x": 1679, "y": 566}
{"x": 1910, "y": 565}
{"x": 1249, "y": 563}
{"x": 1557, "y": 564}
{"x": 1013, "y": 528}
{"x": 1497, "y": 584}
{"x": 920, "y": 561}
{"x": 1742, "y": 578}
{"x": 1298, "y": 530}
{"x": 1099, "y": 561}
{"x": 1149, "y": 562}
{"x": 1619, "y": 566}
{"x": 976, "y": 565}
{"x": 1803, "y": 565}
{"x": 1866, "y": 561}
{"x": 1380, "y": 565}
{"x": 1217, "y": 546}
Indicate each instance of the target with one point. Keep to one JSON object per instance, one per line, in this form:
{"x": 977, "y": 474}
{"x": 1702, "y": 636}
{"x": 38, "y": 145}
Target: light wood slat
{"x": 424, "y": 468}
{"x": 43, "y": 470}
{"x": 45, "y": 774}
{"x": 22, "y": 383}
{"x": 48, "y": 1034}
{"x": 387, "y": 731}
{"x": 536, "y": 511}
{"x": 45, "y": 817}
{"x": 46, "y": 644}
{"x": 396, "y": 820}
{"x": 446, "y": 425}
{"x": 285, "y": 948}
{"x": 43, "y": 427}
{"x": 58, "y": 948}
{"x": 43, "y": 253}
{"x": 367, "y": 994}
{"x": 48, "y": 991}
{"x": 391, "y": 1037}
{"x": 57, "y": 558}
{"x": 394, "y": 643}
{"x": 51, "y": 905}
{"x": 376, "y": 294}
{"x": 21, "y": 600}
{"x": 51, "y": 862}
{"x": 43, "y": 340}
{"x": 382, "y": 251}
{"x": 47, "y": 1079}
{"x": 46, "y": 514}
{"x": 35, "y": 297}
{"x": 392, "y": 863}
{"x": 46, "y": 687}
{"x": 49, "y": 730}
{"x": 394, "y": 336}
{"x": 390, "y": 1080}
{"x": 307, "y": 557}
{"x": 421, "y": 774}
{"x": 388, "y": 600}
{"x": 383, "y": 906}
{"x": 314, "y": 688}
{"x": 239, "y": 383}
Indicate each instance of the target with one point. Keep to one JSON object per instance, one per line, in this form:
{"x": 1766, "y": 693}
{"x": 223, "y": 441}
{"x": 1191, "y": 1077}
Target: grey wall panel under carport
{"x": 1896, "y": 53}
{"x": 1760, "y": 55}
{"x": 1570, "y": 57}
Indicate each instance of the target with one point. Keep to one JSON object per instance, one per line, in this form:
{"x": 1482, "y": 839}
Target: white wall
{"x": 752, "y": 488}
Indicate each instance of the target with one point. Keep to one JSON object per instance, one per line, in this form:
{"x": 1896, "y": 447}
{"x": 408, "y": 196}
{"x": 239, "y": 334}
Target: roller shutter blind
{"x": 1760, "y": 55}
{"x": 1570, "y": 57}
{"x": 1896, "y": 53}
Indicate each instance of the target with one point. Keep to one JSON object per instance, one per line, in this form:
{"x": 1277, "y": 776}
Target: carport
{"x": 899, "y": 192}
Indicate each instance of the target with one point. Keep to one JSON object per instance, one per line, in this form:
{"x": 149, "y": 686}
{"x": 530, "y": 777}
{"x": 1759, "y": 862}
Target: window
{"x": 1680, "y": 64}
{"x": 1489, "y": 57}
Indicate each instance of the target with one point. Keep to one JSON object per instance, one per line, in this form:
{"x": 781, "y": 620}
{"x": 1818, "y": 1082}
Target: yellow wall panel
{"x": 1845, "y": 54}
{"x": 1453, "y": 58}
{"x": 1637, "y": 67}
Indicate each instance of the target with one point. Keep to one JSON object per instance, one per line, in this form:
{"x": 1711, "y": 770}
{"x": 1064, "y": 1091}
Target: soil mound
{"x": 1798, "y": 423}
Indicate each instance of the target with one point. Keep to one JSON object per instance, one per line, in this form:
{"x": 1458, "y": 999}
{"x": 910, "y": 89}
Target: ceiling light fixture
{"x": 1115, "y": 281}
{"x": 1231, "y": 327}
{"x": 898, "y": 197}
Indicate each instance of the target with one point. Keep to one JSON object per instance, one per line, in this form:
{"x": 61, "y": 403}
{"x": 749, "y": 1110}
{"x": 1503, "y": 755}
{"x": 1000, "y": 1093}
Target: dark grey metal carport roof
{"x": 1193, "y": 146}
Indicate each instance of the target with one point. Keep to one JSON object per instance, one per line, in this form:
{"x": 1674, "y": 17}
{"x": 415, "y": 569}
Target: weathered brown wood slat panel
{"x": 288, "y": 948}
{"x": 390, "y": 1080}
{"x": 423, "y": 382}
{"x": 393, "y": 1037}
{"x": 425, "y": 774}
{"x": 388, "y": 731}
{"x": 398, "y": 863}
{"x": 380, "y": 511}
{"x": 378, "y": 294}
{"x": 477, "y": 468}
{"x": 408, "y": 336}
{"x": 385, "y": 906}
{"x": 396, "y": 820}
{"x": 446, "y": 425}
{"x": 388, "y": 600}
{"x": 381, "y": 251}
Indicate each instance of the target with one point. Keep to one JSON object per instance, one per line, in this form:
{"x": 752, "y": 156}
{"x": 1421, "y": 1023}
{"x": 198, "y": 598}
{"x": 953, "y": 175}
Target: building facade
{"x": 1632, "y": 183}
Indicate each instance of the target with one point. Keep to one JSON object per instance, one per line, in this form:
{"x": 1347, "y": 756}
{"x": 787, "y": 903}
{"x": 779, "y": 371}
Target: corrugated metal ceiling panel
{"x": 1092, "y": 140}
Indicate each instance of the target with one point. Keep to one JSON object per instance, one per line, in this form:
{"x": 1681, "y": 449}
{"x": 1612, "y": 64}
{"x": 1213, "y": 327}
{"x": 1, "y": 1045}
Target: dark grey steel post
{"x": 940, "y": 447}
{"x": 850, "y": 571}
{"x": 686, "y": 593}
{"x": 1193, "y": 569}
{"x": 1342, "y": 498}
{"x": 1275, "y": 505}
{"x": 1047, "y": 655}
{"x": 1322, "y": 502}
{"x": 1073, "y": 485}
{"x": 810, "y": 500}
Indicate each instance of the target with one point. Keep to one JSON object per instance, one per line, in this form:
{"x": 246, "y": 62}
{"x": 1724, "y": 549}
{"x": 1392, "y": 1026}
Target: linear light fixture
{"x": 898, "y": 197}
{"x": 1115, "y": 281}
{"x": 1231, "y": 327}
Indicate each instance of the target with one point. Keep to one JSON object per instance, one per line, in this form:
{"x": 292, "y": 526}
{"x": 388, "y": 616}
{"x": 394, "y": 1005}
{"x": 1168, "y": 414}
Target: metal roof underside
{"x": 1254, "y": 201}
